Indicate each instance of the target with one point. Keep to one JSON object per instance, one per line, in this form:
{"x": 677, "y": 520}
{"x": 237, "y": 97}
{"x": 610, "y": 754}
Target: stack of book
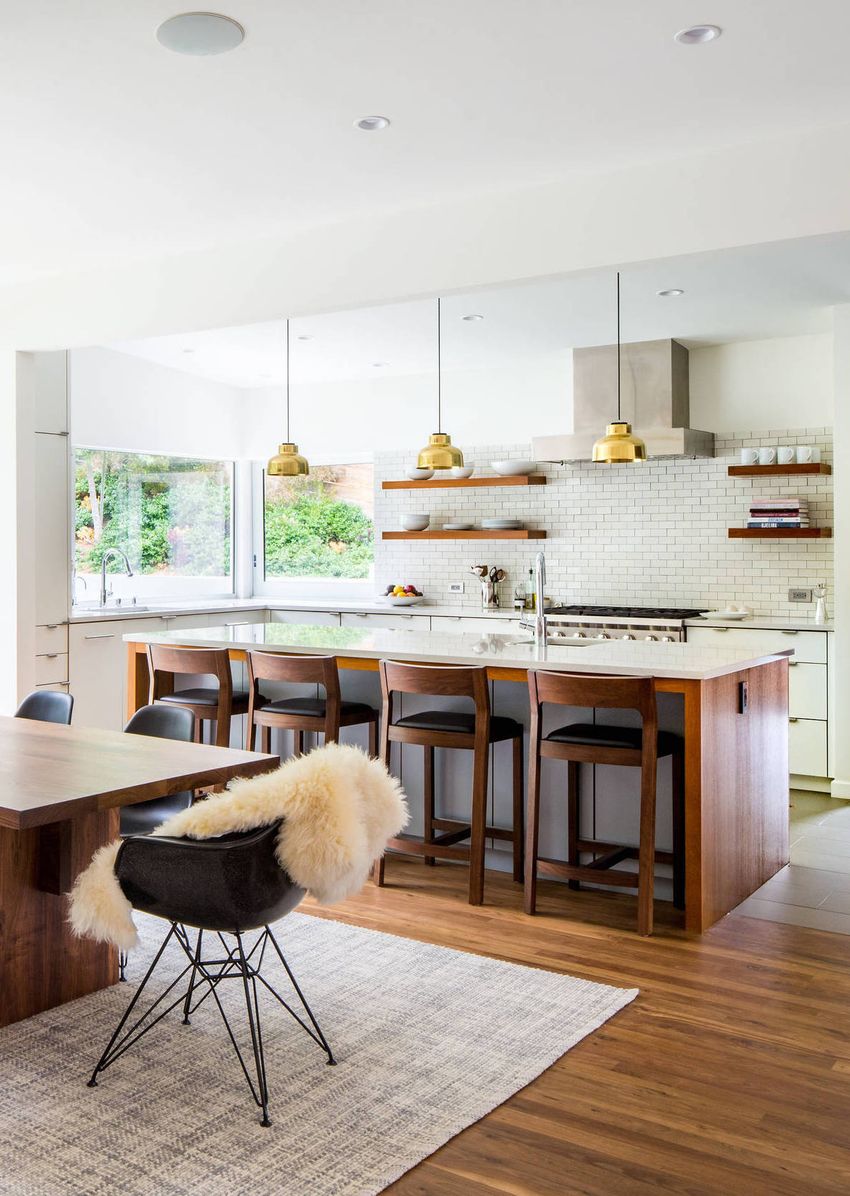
{"x": 779, "y": 512}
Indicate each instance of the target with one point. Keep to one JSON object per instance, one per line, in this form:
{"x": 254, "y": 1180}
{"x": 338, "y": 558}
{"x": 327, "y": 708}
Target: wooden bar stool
{"x": 589, "y": 743}
{"x": 475, "y": 731}
{"x": 318, "y": 715}
{"x": 216, "y": 703}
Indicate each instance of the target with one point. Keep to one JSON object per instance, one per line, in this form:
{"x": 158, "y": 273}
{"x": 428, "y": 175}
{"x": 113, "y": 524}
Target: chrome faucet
{"x": 540, "y": 601}
{"x": 107, "y": 556}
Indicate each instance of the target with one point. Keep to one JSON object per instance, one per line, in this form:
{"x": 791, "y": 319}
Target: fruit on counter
{"x": 398, "y": 591}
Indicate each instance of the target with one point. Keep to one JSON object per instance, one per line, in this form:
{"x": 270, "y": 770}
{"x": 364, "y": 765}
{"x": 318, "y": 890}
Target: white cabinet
{"x": 97, "y": 674}
{"x": 464, "y": 624}
{"x": 316, "y": 618}
{"x": 808, "y": 687}
{"x": 51, "y": 669}
{"x": 52, "y": 547}
{"x": 807, "y": 747}
{"x": 50, "y": 380}
{"x": 395, "y": 621}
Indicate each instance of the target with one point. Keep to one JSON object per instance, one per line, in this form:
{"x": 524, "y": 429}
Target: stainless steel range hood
{"x": 655, "y": 401}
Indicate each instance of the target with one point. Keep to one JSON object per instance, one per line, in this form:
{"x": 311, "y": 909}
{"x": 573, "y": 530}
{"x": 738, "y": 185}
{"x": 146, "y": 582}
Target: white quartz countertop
{"x": 684, "y": 661}
{"x": 153, "y": 609}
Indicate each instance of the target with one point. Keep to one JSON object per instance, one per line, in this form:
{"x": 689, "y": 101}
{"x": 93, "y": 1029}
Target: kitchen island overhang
{"x": 734, "y": 718}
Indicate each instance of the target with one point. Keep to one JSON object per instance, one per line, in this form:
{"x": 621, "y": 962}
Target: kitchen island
{"x": 730, "y": 706}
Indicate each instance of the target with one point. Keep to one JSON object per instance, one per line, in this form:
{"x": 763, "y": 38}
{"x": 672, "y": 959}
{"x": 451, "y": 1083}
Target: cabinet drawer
{"x": 465, "y": 624}
{"x": 807, "y": 690}
{"x": 397, "y": 621}
{"x": 807, "y": 747}
{"x": 52, "y": 668}
{"x": 50, "y": 638}
{"x": 316, "y": 618}
{"x": 809, "y": 646}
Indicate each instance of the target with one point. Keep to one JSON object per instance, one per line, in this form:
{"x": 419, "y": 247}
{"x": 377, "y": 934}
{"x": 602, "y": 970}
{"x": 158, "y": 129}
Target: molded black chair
{"x": 47, "y": 706}
{"x": 161, "y": 722}
{"x": 227, "y": 886}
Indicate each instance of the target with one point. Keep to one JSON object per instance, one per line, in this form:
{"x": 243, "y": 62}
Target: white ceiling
{"x": 784, "y": 289}
{"x": 114, "y": 148}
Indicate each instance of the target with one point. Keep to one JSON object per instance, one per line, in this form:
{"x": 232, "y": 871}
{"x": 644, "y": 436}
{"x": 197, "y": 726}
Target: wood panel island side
{"x": 730, "y": 707}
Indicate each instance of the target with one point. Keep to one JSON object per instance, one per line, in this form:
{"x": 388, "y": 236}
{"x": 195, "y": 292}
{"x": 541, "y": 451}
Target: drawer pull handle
{"x": 51, "y": 626}
{"x": 790, "y": 633}
{"x": 724, "y": 629}
{"x": 792, "y": 664}
{"x": 50, "y": 655}
{"x": 793, "y": 720}
{"x": 105, "y": 636}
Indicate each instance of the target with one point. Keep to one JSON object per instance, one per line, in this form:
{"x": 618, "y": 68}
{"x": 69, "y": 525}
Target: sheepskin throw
{"x": 339, "y": 807}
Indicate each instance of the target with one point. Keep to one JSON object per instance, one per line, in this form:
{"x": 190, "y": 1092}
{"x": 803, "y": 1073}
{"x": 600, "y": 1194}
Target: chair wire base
{"x": 206, "y": 974}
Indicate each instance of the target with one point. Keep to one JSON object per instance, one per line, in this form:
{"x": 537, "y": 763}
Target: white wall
{"x": 841, "y": 647}
{"x": 759, "y": 385}
{"x": 119, "y": 401}
{"x": 790, "y": 186}
{"x": 335, "y": 418}
{"x": 10, "y": 505}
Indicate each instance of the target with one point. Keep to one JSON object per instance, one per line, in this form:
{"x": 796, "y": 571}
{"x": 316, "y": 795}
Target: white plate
{"x": 724, "y": 614}
{"x": 503, "y": 525}
{"x": 404, "y": 601}
{"x": 512, "y": 469}
{"x": 457, "y": 527}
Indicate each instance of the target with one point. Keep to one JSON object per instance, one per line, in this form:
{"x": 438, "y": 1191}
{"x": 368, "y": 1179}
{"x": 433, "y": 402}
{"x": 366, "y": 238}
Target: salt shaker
{"x": 820, "y": 608}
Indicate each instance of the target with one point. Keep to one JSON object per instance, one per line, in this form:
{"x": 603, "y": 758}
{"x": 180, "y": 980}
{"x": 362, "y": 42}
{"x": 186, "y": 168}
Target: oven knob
{"x": 628, "y": 636}
{"x": 601, "y": 635}
{"x": 649, "y": 637}
{"x": 667, "y": 639}
{"x": 579, "y": 635}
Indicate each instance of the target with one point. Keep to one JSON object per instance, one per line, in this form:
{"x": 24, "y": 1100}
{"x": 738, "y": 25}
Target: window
{"x": 172, "y": 516}
{"x": 320, "y": 526}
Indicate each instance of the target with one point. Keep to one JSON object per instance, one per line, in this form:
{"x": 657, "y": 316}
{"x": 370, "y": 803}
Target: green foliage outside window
{"x": 171, "y": 515}
{"x": 320, "y": 525}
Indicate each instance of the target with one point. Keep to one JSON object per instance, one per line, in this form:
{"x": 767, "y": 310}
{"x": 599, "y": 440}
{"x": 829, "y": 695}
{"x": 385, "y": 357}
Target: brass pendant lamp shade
{"x": 287, "y": 461}
{"x": 619, "y": 446}
{"x": 439, "y": 452}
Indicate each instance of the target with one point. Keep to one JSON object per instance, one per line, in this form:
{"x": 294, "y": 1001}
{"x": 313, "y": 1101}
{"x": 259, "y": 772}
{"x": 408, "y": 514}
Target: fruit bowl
{"x": 410, "y": 600}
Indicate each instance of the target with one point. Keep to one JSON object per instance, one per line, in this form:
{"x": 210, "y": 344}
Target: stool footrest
{"x": 613, "y": 876}
{"x": 490, "y": 832}
{"x": 412, "y": 846}
{"x": 597, "y": 845}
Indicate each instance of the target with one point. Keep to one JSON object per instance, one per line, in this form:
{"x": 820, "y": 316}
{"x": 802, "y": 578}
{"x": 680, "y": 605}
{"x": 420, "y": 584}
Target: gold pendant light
{"x": 287, "y": 461}
{"x": 439, "y": 452}
{"x": 618, "y": 446}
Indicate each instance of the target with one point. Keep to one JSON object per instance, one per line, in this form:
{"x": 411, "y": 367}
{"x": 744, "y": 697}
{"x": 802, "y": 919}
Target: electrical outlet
{"x": 455, "y": 587}
{"x": 799, "y": 595}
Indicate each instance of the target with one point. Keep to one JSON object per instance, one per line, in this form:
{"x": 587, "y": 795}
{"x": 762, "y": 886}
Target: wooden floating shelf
{"x": 525, "y": 479}
{"x": 524, "y": 533}
{"x": 775, "y": 471}
{"x": 780, "y": 533}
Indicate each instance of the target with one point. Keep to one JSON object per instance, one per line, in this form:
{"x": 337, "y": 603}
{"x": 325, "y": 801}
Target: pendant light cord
{"x": 287, "y": 381}
{"x": 619, "y": 413}
{"x": 439, "y": 368}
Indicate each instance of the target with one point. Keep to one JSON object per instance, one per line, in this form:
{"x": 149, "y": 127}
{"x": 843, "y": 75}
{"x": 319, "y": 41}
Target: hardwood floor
{"x": 729, "y": 1074}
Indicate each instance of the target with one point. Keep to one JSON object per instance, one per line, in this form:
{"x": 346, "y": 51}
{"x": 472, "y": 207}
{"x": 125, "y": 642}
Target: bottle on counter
{"x": 530, "y": 596}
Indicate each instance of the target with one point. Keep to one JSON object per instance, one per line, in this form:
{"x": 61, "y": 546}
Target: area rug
{"x": 428, "y": 1040}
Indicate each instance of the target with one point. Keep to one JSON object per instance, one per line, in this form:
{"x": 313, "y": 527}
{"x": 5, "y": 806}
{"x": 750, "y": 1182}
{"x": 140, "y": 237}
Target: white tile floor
{"x": 814, "y": 889}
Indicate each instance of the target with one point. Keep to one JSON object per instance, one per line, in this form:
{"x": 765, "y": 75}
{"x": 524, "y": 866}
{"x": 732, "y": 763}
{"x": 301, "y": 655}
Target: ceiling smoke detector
{"x": 200, "y": 33}
{"x": 698, "y": 35}
{"x": 372, "y": 124}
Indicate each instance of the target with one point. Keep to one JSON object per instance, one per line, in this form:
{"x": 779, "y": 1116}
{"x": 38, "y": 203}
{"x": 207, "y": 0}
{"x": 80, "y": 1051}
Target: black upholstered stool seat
{"x": 458, "y": 721}
{"x": 203, "y": 696}
{"x": 313, "y": 708}
{"x": 594, "y": 735}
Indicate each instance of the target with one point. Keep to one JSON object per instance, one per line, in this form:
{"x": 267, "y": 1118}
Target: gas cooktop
{"x": 624, "y": 612}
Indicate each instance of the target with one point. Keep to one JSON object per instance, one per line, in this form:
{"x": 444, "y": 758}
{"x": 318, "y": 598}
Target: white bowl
{"x": 415, "y": 523}
{"x": 410, "y": 601}
{"x": 462, "y": 471}
{"x": 457, "y": 526}
{"x": 512, "y": 469}
{"x": 420, "y": 475}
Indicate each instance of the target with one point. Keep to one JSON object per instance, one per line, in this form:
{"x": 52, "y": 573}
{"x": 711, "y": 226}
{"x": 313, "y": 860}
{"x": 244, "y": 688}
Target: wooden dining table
{"x": 60, "y": 793}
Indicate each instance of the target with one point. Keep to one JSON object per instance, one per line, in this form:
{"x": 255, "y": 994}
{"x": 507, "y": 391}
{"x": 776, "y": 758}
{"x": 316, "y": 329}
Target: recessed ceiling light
{"x": 372, "y": 124}
{"x": 377, "y": 365}
{"x": 305, "y": 337}
{"x": 472, "y": 317}
{"x": 265, "y": 375}
{"x": 672, "y": 293}
{"x": 697, "y": 35}
{"x": 188, "y": 350}
{"x": 200, "y": 33}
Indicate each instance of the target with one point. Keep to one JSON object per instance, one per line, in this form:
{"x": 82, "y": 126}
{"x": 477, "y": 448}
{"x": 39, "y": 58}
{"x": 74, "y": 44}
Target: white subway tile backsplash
{"x": 651, "y": 534}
